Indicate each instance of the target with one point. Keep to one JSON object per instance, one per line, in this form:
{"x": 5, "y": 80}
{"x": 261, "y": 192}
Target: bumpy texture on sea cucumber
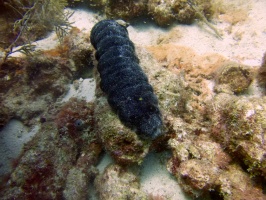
{"x": 122, "y": 79}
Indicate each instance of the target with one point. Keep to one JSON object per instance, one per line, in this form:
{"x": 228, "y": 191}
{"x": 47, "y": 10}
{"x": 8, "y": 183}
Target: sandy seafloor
{"x": 244, "y": 43}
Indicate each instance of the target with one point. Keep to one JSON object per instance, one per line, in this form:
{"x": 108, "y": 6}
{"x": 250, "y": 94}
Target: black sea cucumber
{"x": 122, "y": 79}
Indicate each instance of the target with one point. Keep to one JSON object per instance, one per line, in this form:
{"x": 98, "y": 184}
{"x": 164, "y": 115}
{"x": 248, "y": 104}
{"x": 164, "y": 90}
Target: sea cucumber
{"x": 128, "y": 91}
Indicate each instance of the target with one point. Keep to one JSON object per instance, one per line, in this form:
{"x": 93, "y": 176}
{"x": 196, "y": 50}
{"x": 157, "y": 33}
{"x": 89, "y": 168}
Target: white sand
{"x": 82, "y": 89}
{"x": 156, "y": 180}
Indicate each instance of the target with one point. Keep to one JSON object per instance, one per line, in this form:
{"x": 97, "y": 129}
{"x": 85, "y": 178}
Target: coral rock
{"x": 117, "y": 183}
{"x": 122, "y": 143}
{"x": 197, "y": 176}
{"x": 239, "y": 124}
{"x": 235, "y": 184}
{"x": 235, "y": 76}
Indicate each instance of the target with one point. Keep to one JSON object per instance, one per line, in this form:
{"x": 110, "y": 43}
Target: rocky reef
{"x": 164, "y": 13}
{"x": 27, "y": 21}
{"x": 213, "y": 113}
{"x": 216, "y": 132}
{"x": 64, "y": 147}
{"x": 121, "y": 183}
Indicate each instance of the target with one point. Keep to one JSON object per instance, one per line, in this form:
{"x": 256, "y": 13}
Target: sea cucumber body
{"x": 122, "y": 79}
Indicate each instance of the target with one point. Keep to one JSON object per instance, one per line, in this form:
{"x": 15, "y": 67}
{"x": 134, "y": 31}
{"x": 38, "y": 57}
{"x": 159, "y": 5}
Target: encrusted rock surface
{"x": 213, "y": 132}
{"x": 121, "y": 142}
{"x": 239, "y": 125}
{"x": 163, "y": 12}
{"x": 233, "y": 78}
{"x": 214, "y": 125}
{"x": 118, "y": 183}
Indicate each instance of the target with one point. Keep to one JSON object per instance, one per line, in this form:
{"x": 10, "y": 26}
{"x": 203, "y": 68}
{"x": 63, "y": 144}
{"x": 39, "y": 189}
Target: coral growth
{"x": 161, "y": 11}
{"x": 125, "y": 9}
{"x": 234, "y": 183}
{"x": 165, "y": 12}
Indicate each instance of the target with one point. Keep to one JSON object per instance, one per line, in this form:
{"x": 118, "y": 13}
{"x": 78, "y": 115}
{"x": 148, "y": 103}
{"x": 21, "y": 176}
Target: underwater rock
{"x": 234, "y": 183}
{"x": 30, "y": 84}
{"x": 47, "y": 74}
{"x": 163, "y": 12}
{"x": 83, "y": 173}
{"x": 121, "y": 142}
{"x": 126, "y": 10}
{"x": 118, "y": 183}
{"x": 197, "y": 120}
{"x": 122, "y": 79}
{"x": 42, "y": 167}
{"x": 196, "y": 163}
{"x": 262, "y": 73}
{"x": 76, "y": 185}
{"x": 239, "y": 125}
{"x": 74, "y": 117}
{"x": 201, "y": 147}
{"x": 49, "y": 165}
{"x": 197, "y": 176}
{"x": 235, "y": 77}
{"x": 201, "y": 165}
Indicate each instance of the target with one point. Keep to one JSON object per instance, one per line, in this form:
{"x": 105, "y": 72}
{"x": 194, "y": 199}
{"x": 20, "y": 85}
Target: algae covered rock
{"x": 76, "y": 185}
{"x": 197, "y": 163}
{"x": 50, "y": 164}
{"x": 197, "y": 176}
{"x": 125, "y": 9}
{"x": 39, "y": 80}
{"x": 235, "y": 77}
{"x": 235, "y": 184}
{"x": 210, "y": 132}
{"x": 42, "y": 167}
{"x": 239, "y": 124}
{"x": 118, "y": 183}
{"x": 262, "y": 72}
{"x": 163, "y": 12}
{"x": 121, "y": 142}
